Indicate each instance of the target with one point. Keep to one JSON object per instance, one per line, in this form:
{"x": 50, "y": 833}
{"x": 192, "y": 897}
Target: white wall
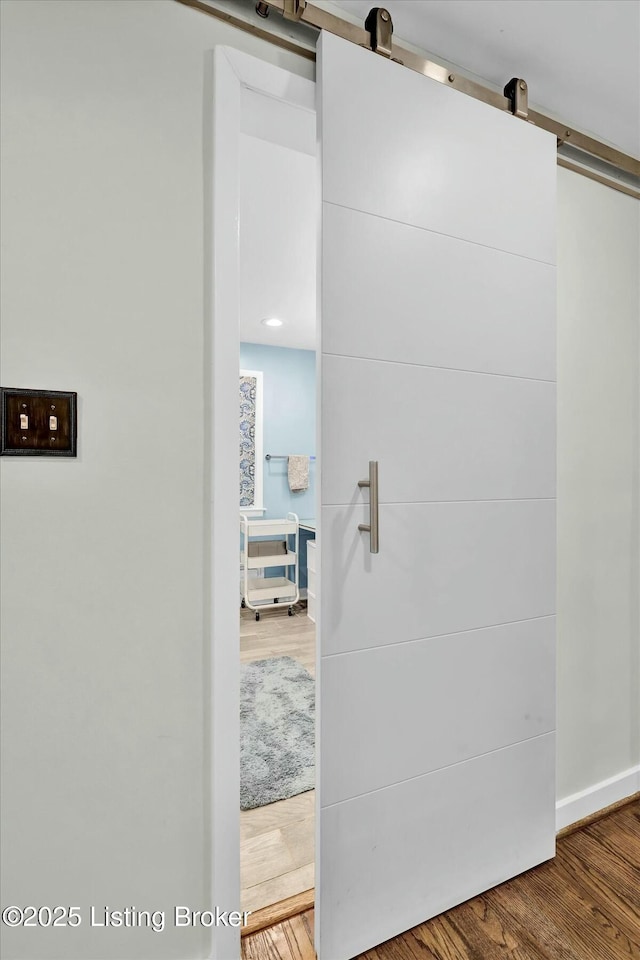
{"x": 102, "y": 629}
{"x": 598, "y": 486}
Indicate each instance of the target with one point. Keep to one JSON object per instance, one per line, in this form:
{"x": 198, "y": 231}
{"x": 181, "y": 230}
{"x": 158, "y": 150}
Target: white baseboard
{"x": 597, "y": 797}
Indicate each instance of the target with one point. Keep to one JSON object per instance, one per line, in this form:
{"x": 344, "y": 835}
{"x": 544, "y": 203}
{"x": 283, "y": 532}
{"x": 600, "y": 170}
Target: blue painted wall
{"x": 289, "y": 420}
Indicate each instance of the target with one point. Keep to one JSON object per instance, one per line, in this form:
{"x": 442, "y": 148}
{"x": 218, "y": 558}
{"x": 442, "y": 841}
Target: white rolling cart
{"x": 312, "y": 582}
{"x": 265, "y": 543}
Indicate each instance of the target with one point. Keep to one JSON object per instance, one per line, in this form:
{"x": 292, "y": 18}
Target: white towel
{"x": 298, "y": 473}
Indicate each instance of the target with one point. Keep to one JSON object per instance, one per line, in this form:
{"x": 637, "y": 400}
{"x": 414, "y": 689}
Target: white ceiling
{"x": 278, "y": 217}
{"x": 580, "y": 58}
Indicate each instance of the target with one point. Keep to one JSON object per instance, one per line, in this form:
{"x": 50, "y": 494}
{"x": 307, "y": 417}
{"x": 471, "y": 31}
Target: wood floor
{"x": 584, "y": 905}
{"x": 277, "y": 841}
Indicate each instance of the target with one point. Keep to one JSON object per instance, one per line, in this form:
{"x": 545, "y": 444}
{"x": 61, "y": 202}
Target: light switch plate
{"x": 38, "y": 423}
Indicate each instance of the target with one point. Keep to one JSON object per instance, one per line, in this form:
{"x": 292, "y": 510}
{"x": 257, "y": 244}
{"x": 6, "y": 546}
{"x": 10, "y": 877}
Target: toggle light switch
{"x": 38, "y": 423}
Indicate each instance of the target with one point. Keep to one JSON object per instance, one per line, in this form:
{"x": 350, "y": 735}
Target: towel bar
{"x": 280, "y": 456}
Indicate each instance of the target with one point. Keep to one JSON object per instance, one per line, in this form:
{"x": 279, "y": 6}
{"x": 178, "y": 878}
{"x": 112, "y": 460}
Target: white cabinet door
{"x": 437, "y": 689}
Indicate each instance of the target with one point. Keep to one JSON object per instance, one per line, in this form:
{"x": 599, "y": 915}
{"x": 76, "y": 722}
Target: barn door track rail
{"x": 576, "y": 151}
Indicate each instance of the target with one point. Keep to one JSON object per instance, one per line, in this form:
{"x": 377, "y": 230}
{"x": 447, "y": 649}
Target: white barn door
{"x": 437, "y": 712}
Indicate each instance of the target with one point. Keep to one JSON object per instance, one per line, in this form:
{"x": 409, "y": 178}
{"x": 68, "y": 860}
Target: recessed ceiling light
{"x": 272, "y": 322}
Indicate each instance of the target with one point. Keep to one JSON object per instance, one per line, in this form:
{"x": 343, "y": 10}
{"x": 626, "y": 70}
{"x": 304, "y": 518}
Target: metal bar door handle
{"x": 372, "y": 527}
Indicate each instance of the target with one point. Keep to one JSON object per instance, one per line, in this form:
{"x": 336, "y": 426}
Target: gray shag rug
{"x": 277, "y": 731}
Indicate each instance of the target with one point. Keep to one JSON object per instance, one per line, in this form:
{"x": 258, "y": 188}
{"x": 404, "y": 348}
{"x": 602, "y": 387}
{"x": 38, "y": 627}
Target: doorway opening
{"x": 457, "y": 404}
{"x": 277, "y": 215}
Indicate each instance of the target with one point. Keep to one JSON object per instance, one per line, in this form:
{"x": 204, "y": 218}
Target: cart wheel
{"x": 243, "y": 604}
{"x": 257, "y": 614}
{"x": 290, "y": 611}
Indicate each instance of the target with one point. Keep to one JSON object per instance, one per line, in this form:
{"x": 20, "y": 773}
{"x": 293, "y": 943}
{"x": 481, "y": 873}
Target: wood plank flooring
{"x": 583, "y": 905}
{"x": 277, "y": 841}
